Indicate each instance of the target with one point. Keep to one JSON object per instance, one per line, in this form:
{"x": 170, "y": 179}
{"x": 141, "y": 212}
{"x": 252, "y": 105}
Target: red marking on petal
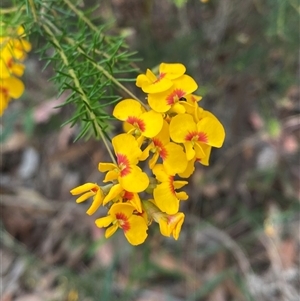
{"x": 127, "y": 196}
{"x": 95, "y": 189}
{"x": 163, "y": 154}
{"x": 196, "y": 136}
{"x": 10, "y": 63}
{"x": 171, "y": 219}
{"x": 4, "y": 91}
{"x": 123, "y": 164}
{"x": 160, "y": 77}
{"x": 161, "y": 148}
{"x": 123, "y": 221}
{"x": 137, "y": 122}
{"x": 191, "y": 136}
{"x": 175, "y": 96}
{"x": 202, "y": 137}
{"x": 171, "y": 186}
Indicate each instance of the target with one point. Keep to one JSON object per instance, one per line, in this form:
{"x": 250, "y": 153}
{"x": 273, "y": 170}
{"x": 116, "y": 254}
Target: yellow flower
{"x": 167, "y": 72}
{"x": 172, "y": 155}
{"x": 209, "y": 130}
{"x": 13, "y": 50}
{"x": 123, "y": 216}
{"x": 140, "y": 123}
{"x": 10, "y": 87}
{"x": 89, "y": 190}
{"x": 165, "y": 196}
{"x": 13, "y": 41}
{"x": 125, "y": 171}
{"x": 118, "y": 194}
{"x": 204, "y": 161}
{"x": 172, "y": 130}
{"x": 172, "y": 98}
{"x": 8, "y": 65}
{"x": 169, "y": 224}
{"x": 190, "y": 103}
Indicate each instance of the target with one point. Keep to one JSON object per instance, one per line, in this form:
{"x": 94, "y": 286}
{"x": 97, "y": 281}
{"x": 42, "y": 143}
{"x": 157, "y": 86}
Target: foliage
{"x": 88, "y": 62}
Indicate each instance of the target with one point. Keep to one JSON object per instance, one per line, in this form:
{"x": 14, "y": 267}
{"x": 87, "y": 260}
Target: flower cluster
{"x": 172, "y": 133}
{"x": 13, "y": 51}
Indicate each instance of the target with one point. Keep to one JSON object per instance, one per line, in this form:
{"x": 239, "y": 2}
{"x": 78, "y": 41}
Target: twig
{"x": 9, "y": 10}
{"x": 79, "y": 88}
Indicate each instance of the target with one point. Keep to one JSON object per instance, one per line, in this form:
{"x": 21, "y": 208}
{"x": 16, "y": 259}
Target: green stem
{"x": 11, "y": 9}
{"x": 81, "y": 15}
{"x": 32, "y": 6}
{"x": 100, "y": 68}
{"x": 48, "y": 27}
{"x": 107, "y": 74}
{"x": 79, "y": 88}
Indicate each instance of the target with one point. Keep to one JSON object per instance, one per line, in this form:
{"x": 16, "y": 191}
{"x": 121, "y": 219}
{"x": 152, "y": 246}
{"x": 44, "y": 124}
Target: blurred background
{"x": 240, "y": 240}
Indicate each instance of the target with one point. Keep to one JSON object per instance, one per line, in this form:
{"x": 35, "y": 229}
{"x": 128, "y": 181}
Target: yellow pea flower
{"x": 13, "y": 49}
{"x": 123, "y": 216}
{"x": 190, "y": 103}
{"x": 130, "y": 176}
{"x": 167, "y": 73}
{"x": 191, "y": 164}
{"x": 171, "y": 98}
{"x": 8, "y": 65}
{"x": 169, "y": 224}
{"x": 209, "y": 130}
{"x": 172, "y": 155}
{"x": 13, "y": 42}
{"x": 89, "y": 190}
{"x": 140, "y": 123}
{"x": 118, "y": 194}
{"x": 10, "y": 87}
{"x": 165, "y": 196}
